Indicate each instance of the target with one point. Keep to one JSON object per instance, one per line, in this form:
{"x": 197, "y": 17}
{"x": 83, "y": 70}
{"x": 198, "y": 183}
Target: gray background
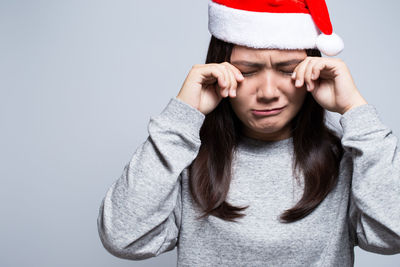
{"x": 79, "y": 81}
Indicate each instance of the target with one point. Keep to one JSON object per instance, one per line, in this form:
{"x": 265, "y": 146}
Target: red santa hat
{"x": 280, "y": 24}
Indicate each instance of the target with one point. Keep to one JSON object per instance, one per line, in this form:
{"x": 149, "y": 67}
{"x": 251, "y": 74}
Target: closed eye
{"x": 246, "y": 74}
{"x": 286, "y": 72}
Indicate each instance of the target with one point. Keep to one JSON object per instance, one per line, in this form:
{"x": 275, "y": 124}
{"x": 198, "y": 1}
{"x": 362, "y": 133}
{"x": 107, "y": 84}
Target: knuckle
{"x": 235, "y": 69}
{"x": 225, "y": 65}
{"x": 219, "y": 66}
{"x": 340, "y": 61}
{"x": 194, "y": 70}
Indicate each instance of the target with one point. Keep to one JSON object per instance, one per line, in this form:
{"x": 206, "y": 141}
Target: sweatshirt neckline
{"x": 258, "y": 147}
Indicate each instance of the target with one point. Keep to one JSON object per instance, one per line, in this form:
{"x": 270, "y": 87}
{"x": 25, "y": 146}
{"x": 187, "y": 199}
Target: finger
{"x": 296, "y": 70}
{"x": 326, "y": 70}
{"x": 233, "y": 80}
{"x": 300, "y": 72}
{"x": 218, "y": 72}
{"x": 237, "y": 72}
{"x": 227, "y": 78}
{"x": 308, "y": 72}
{"x": 215, "y": 73}
{"x": 317, "y": 69}
{"x": 239, "y": 77}
{"x": 233, "y": 83}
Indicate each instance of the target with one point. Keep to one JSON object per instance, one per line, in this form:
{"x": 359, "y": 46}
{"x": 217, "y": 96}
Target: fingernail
{"x": 312, "y": 76}
{"x": 240, "y": 76}
{"x": 298, "y": 83}
{"x": 293, "y": 75}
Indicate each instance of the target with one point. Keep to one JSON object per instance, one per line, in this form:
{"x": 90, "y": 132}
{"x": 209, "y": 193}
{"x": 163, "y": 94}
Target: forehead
{"x": 243, "y": 52}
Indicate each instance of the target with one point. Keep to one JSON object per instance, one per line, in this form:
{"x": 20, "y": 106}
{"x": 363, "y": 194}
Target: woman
{"x": 240, "y": 168}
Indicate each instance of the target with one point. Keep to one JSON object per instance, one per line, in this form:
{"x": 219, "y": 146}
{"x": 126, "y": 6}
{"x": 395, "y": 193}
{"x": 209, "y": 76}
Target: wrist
{"x": 358, "y": 103}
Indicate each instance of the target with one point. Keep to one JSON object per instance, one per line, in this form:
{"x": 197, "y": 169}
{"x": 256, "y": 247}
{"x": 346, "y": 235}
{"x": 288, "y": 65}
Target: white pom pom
{"x": 330, "y": 45}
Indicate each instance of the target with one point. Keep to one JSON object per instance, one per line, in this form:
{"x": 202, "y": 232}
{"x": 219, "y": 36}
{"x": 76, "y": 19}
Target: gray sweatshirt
{"x": 148, "y": 210}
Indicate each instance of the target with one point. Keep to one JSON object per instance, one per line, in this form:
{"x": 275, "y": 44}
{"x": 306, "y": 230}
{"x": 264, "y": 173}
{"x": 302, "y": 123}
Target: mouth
{"x": 268, "y": 109}
{"x": 266, "y": 112}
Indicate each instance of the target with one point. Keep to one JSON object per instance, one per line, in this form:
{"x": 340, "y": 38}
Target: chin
{"x": 267, "y": 130}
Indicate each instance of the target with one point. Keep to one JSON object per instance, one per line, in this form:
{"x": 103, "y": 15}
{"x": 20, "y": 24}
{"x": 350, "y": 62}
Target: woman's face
{"x": 267, "y": 84}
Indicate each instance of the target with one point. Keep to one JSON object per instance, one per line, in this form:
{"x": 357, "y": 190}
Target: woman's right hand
{"x": 206, "y": 85}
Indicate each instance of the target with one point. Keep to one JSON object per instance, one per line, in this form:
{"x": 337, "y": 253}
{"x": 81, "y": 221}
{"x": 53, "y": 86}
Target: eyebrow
{"x": 260, "y": 65}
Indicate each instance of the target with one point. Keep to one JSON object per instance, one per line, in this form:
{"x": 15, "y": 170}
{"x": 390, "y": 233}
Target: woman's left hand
{"x": 330, "y": 82}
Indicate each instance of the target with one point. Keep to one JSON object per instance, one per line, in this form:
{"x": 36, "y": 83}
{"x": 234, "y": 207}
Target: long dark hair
{"x": 317, "y": 153}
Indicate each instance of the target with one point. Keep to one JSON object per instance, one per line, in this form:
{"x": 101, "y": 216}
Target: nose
{"x": 267, "y": 88}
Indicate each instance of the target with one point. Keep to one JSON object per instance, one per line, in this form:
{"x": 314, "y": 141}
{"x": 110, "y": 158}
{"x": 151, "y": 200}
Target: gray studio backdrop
{"x": 79, "y": 81}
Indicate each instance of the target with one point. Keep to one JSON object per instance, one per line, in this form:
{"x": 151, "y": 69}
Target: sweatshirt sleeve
{"x": 140, "y": 215}
{"x": 374, "y": 208}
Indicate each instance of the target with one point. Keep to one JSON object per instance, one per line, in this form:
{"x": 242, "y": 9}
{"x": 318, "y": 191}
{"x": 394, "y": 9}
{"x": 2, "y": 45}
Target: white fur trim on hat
{"x": 262, "y": 29}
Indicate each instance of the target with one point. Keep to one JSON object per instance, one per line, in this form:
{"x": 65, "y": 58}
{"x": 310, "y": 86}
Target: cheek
{"x": 295, "y": 95}
{"x": 240, "y": 104}
{"x": 246, "y": 90}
